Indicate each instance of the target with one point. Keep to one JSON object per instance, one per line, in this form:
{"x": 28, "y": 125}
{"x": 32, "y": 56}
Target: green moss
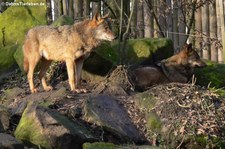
{"x": 137, "y": 50}
{"x": 6, "y": 57}
{"x": 153, "y": 122}
{"x": 15, "y": 22}
{"x": 213, "y": 74}
{"x": 15, "y": 26}
{"x": 29, "y": 129}
{"x": 99, "y": 145}
{"x": 63, "y": 20}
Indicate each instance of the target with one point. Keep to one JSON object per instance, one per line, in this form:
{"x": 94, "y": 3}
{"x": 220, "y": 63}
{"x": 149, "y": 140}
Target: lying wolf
{"x": 71, "y": 44}
{"x": 178, "y": 68}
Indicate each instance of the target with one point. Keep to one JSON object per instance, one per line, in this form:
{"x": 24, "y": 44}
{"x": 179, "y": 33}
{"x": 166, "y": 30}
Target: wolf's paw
{"x": 48, "y": 88}
{"x": 34, "y": 90}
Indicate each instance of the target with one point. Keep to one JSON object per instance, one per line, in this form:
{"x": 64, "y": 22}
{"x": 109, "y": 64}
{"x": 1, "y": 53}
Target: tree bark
{"x": 221, "y": 14}
{"x": 140, "y": 19}
{"x": 198, "y": 31}
{"x": 213, "y": 31}
{"x": 175, "y": 26}
{"x": 86, "y": 5}
{"x": 64, "y": 4}
{"x": 78, "y": 9}
{"x": 71, "y": 10}
{"x": 205, "y": 30}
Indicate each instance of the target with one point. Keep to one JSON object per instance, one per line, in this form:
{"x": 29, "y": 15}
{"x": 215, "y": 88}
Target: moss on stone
{"x": 63, "y": 20}
{"x": 29, "y": 129}
{"x": 137, "y": 50}
{"x": 213, "y": 74}
{"x": 17, "y": 20}
{"x": 6, "y": 57}
{"x": 99, "y": 145}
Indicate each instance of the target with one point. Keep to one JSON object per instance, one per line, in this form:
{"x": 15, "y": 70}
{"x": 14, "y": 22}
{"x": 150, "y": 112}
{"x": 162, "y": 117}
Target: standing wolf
{"x": 71, "y": 44}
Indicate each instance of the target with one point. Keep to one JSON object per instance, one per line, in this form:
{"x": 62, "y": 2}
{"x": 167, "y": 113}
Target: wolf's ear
{"x": 97, "y": 17}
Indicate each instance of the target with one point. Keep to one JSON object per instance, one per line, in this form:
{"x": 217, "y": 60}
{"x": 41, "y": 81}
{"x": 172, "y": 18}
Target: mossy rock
{"x": 138, "y": 50}
{"x": 213, "y": 75}
{"x": 48, "y": 129}
{"x": 15, "y": 26}
{"x": 15, "y": 22}
{"x": 63, "y": 20}
{"x": 6, "y": 57}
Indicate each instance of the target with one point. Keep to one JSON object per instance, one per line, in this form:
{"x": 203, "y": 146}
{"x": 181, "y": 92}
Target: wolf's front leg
{"x": 70, "y": 71}
{"x": 78, "y": 68}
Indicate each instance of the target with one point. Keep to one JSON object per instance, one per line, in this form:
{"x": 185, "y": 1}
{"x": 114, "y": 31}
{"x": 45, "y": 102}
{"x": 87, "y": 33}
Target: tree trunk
{"x": 134, "y": 21}
{"x": 161, "y": 7}
{"x": 175, "y": 26}
{"x": 78, "y": 9}
{"x": 169, "y": 20}
{"x": 86, "y": 5}
{"x": 198, "y": 31}
{"x": 205, "y": 30}
{"x": 96, "y": 7}
{"x": 219, "y": 34}
{"x": 140, "y": 19}
{"x": 221, "y": 14}
{"x": 49, "y": 11}
{"x": 57, "y": 8}
{"x": 182, "y": 25}
{"x": 213, "y": 31}
{"x": 71, "y": 10}
{"x": 147, "y": 22}
{"x": 64, "y": 4}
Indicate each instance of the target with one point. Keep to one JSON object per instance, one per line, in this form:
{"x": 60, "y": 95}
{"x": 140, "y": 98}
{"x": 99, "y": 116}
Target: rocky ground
{"x": 166, "y": 116}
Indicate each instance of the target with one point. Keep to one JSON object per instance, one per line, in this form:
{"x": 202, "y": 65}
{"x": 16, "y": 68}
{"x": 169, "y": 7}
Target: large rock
{"x": 4, "y": 118}
{"x": 45, "y": 99}
{"x": 9, "y": 142}
{"x": 48, "y": 129}
{"x": 104, "y": 111}
{"x": 13, "y": 28}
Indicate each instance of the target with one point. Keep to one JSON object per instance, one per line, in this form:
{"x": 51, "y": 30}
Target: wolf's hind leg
{"x": 44, "y": 67}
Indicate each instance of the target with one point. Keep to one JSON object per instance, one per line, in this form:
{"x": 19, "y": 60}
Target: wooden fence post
{"x": 221, "y": 7}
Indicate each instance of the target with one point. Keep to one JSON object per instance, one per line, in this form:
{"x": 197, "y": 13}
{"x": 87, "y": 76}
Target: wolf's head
{"x": 186, "y": 57}
{"x": 101, "y": 28}
{"x": 192, "y": 57}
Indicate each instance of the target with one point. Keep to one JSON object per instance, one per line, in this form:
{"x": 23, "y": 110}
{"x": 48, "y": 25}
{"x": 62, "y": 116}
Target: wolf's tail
{"x": 25, "y": 62}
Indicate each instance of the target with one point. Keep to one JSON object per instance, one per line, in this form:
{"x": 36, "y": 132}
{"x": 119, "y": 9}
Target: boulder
{"x": 11, "y": 22}
{"x": 47, "y": 128}
{"x": 9, "y": 142}
{"x": 45, "y": 99}
{"x": 6, "y": 57}
{"x": 104, "y": 111}
{"x": 4, "y": 118}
